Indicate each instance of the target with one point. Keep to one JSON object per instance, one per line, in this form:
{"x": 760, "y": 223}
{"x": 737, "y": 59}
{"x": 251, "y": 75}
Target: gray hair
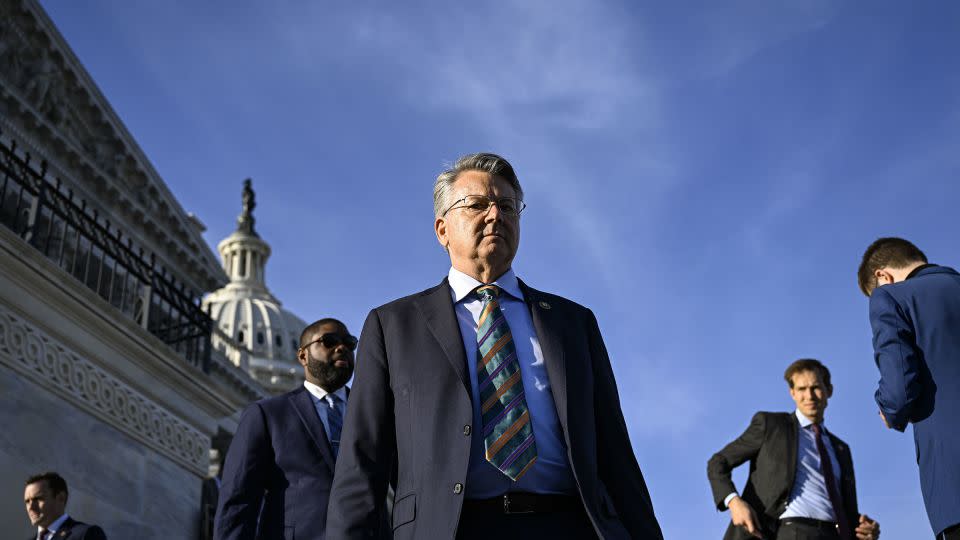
{"x": 483, "y": 161}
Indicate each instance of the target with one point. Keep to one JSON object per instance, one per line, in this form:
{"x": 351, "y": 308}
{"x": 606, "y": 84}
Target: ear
{"x": 883, "y": 276}
{"x": 302, "y": 357}
{"x": 440, "y": 227}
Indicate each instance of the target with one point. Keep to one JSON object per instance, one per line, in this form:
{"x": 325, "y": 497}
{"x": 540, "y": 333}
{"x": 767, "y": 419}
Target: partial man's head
{"x": 477, "y": 204}
{"x": 326, "y": 354}
{"x": 888, "y": 260}
{"x": 810, "y": 387}
{"x": 45, "y": 496}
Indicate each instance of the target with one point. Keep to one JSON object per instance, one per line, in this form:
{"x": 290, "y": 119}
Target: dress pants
{"x": 792, "y": 530}
{"x": 485, "y": 525}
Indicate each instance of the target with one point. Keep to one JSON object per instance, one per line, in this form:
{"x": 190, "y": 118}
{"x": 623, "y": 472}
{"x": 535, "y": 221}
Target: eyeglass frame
{"x": 351, "y": 344}
{"x": 490, "y": 202}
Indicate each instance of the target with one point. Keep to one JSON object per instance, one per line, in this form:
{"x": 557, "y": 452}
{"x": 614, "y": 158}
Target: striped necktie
{"x": 507, "y": 432}
{"x": 335, "y": 423}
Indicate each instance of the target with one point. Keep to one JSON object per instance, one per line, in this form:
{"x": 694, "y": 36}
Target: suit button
{"x": 466, "y": 430}
{"x": 458, "y": 488}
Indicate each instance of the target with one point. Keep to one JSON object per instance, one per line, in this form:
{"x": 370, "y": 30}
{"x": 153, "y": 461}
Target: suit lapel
{"x": 303, "y": 404}
{"x": 436, "y": 306}
{"x": 793, "y": 443}
{"x": 847, "y": 487}
{"x": 548, "y": 325}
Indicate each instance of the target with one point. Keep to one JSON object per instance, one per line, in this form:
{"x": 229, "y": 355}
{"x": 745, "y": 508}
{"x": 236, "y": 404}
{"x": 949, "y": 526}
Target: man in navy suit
{"x": 279, "y": 468}
{"x": 489, "y": 405}
{"x": 45, "y": 496}
{"x": 915, "y": 316}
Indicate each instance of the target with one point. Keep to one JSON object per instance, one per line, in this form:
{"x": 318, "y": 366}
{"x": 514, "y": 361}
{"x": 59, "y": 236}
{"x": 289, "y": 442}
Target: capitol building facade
{"x": 127, "y": 346}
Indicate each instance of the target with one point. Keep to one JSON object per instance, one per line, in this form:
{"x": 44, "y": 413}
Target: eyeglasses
{"x": 480, "y": 204}
{"x": 331, "y": 341}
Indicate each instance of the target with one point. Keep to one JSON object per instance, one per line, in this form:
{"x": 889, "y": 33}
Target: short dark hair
{"x": 892, "y": 252}
{"x": 808, "y": 364}
{"x": 314, "y": 326}
{"x": 54, "y": 481}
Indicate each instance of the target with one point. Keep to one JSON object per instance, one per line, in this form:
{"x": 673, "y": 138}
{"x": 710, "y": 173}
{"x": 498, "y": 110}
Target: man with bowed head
{"x": 279, "y": 468}
{"x": 915, "y": 317}
{"x": 801, "y": 484}
{"x": 490, "y": 406}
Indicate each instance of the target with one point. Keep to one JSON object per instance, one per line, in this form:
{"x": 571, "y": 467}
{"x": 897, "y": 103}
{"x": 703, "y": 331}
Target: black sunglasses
{"x": 331, "y": 341}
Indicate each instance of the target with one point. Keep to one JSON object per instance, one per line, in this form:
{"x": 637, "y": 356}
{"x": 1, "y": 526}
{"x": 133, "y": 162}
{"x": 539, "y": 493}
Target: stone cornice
{"x": 54, "y": 366}
{"x": 52, "y": 105}
{"x": 33, "y": 285}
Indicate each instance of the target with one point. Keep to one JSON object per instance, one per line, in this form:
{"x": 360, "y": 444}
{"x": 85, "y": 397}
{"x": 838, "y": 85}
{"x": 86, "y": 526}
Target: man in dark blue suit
{"x": 279, "y": 468}
{"x": 915, "y": 316}
{"x": 45, "y": 496}
{"x": 489, "y": 405}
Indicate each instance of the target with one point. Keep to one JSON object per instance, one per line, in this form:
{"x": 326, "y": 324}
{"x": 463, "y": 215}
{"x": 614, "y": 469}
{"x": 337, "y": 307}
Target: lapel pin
{"x": 544, "y": 305}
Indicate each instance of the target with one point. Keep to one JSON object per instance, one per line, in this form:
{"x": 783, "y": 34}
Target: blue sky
{"x": 704, "y": 176}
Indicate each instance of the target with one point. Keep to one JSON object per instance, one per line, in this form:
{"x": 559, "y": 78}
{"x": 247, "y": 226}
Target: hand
{"x": 743, "y": 515}
{"x": 884, "y": 418}
{"x": 867, "y": 529}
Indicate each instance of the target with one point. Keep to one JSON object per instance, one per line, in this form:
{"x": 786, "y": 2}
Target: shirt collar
{"x": 321, "y": 394}
{"x": 55, "y": 526}
{"x": 806, "y": 422}
{"x": 462, "y": 284}
{"x": 917, "y": 270}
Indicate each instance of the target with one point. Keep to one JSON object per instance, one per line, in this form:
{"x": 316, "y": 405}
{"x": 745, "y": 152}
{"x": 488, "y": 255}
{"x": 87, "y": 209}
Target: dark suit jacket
{"x": 411, "y": 403}
{"x": 770, "y": 443}
{"x": 916, "y": 340}
{"x": 280, "y": 457}
{"x": 77, "y": 530}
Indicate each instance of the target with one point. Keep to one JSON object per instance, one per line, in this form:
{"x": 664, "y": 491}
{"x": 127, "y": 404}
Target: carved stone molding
{"x": 54, "y": 366}
{"x": 47, "y": 97}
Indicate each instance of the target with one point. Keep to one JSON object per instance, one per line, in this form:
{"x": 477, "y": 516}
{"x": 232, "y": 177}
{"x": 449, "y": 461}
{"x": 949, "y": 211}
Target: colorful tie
{"x": 507, "y": 431}
{"x": 335, "y": 423}
{"x": 826, "y": 467}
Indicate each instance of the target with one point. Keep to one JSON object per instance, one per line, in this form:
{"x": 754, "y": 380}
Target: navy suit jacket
{"x": 77, "y": 530}
{"x": 280, "y": 458}
{"x": 916, "y": 341}
{"x": 410, "y": 408}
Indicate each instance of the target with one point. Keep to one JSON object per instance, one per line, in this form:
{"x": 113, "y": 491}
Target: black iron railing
{"x": 47, "y": 216}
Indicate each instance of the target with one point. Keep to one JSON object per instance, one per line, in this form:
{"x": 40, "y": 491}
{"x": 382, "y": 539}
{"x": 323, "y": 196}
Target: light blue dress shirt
{"x": 53, "y": 528}
{"x": 551, "y": 473}
{"x": 809, "y": 497}
{"x": 322, "y": 403}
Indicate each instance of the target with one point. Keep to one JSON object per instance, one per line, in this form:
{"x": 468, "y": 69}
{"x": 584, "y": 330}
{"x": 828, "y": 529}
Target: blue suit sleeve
{"x": 897, "y": 358}
{"x": 244, "y": 478}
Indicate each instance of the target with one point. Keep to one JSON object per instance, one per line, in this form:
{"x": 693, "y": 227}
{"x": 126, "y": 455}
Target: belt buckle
{"x": 506, "y": 506}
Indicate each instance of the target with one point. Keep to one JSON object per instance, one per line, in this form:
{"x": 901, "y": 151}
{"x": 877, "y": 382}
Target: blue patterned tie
{"x": 507, "y": 432}
{"x": 335, "y": 422}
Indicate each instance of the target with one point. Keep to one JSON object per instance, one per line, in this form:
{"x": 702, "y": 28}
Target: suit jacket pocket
{"x": 404, "y": 510}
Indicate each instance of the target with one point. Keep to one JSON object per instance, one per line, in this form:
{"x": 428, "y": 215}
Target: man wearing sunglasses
{"x": 490, "y": 406}
{"x": 279, "y": 468}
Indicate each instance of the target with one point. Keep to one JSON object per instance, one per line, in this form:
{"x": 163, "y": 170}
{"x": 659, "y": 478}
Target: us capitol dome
{"x": 250, "y": 326}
